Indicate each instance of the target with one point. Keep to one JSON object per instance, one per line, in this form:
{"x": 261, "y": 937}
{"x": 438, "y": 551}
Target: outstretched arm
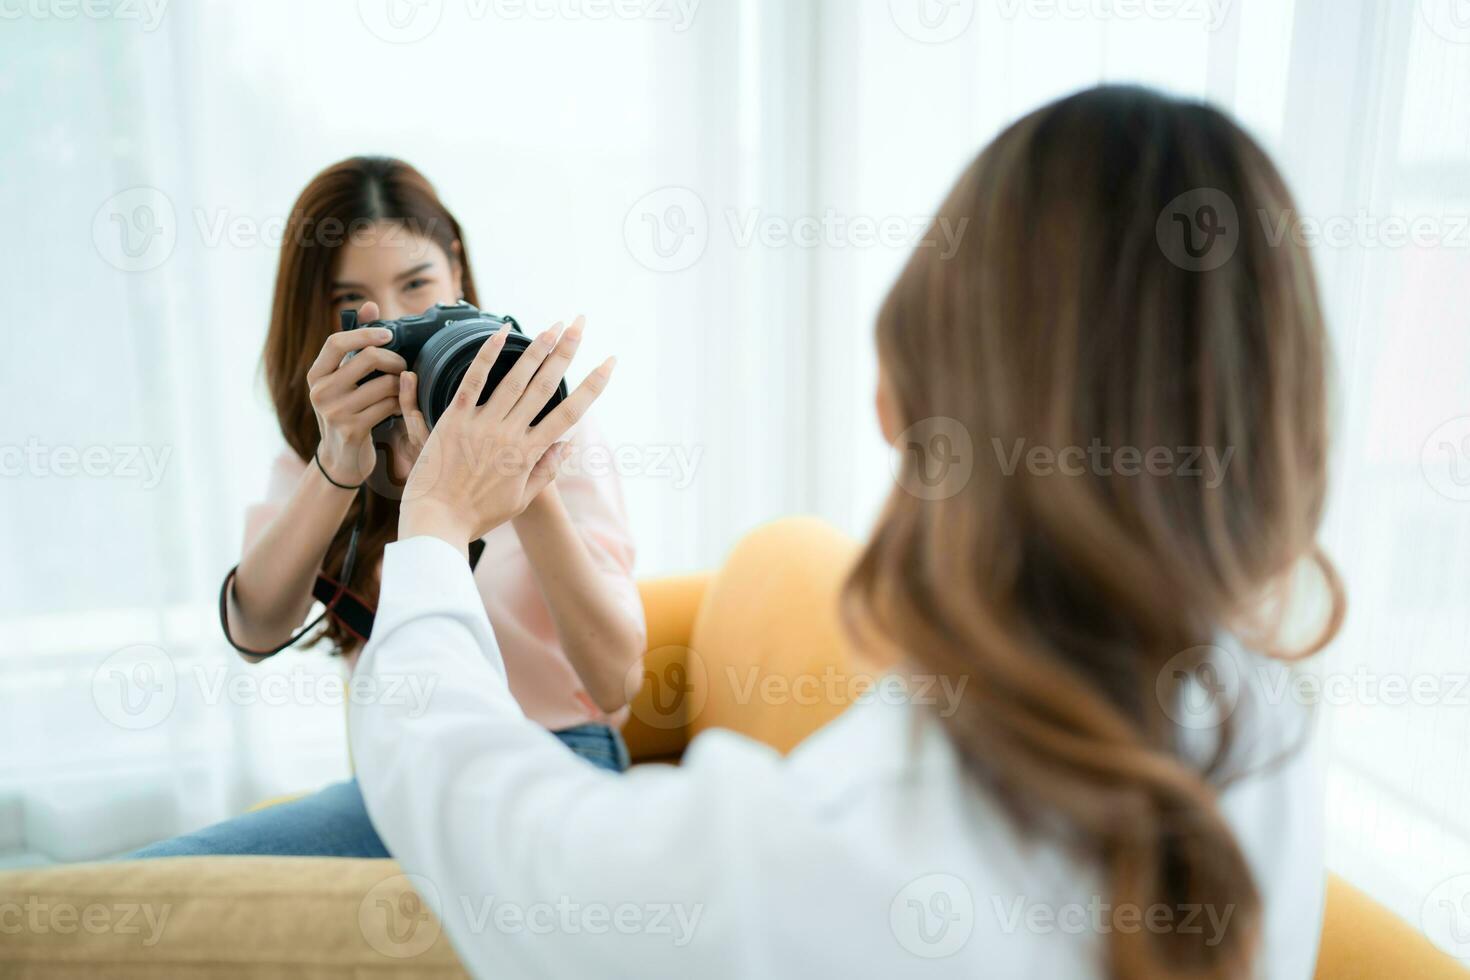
{"x": 537, "y": 863}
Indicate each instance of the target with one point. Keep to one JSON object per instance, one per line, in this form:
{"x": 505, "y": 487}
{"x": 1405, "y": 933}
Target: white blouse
{"x": 865, "y": 853}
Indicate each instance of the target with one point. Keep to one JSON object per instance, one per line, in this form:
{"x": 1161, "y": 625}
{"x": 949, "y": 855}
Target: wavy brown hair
{"x": 1066, "y": 317}
{"x": 343, "y": 200}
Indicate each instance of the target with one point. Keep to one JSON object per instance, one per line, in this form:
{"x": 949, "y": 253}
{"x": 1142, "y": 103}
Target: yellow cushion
{"x": 768, "y": 657}
{"x": 658, "y": 726}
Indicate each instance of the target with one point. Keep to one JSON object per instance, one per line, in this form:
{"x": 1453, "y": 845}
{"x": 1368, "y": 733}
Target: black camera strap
{"x": 352, "y": 610}
{"x": 348, "y": 563}
{"x": 339, "y": 602}
{"x": 345, "y": 606}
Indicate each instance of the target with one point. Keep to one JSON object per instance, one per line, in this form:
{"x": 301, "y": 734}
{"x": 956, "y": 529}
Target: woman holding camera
{"x": 370, "y": 234}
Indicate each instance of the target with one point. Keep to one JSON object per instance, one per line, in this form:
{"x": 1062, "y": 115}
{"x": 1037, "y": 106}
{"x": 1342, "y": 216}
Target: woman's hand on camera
{"x": 484, "y": 464}
{"x": 409, "y": 434}
{"x": 347, "y": 410}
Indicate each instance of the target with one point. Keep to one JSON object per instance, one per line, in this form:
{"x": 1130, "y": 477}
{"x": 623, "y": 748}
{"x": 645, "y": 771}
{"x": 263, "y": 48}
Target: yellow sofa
{"x": 754, "y": 647}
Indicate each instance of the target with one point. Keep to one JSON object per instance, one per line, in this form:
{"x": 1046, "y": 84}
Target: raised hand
{"x": 346, "y": 410}
{"x": 484, "y": 464}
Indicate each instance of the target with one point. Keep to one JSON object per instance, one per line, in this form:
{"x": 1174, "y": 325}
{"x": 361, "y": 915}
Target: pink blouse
{"x": 541, "y": 678}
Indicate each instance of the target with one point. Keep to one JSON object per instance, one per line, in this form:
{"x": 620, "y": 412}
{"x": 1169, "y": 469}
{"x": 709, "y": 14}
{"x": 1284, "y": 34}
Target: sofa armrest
{"x": 217, "y": 917}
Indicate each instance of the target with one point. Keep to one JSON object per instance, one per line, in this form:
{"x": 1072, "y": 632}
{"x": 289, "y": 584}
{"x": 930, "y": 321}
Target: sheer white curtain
{"x": 115, "y": 502}
{"x": 726, "y": 189}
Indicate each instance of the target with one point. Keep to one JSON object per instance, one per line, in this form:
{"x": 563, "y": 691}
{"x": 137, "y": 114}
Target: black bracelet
{"x": 340, "y": 486}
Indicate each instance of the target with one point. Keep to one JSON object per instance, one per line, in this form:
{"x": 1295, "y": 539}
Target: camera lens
{"x": 446, "y": 358}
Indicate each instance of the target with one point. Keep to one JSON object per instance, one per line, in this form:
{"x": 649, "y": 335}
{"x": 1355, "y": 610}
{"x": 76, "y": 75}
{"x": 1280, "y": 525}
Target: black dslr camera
{"x": 439, "y": 346}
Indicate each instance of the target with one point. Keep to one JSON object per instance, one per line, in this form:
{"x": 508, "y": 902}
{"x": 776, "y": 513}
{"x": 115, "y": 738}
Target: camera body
{"x": 439, "y": 346}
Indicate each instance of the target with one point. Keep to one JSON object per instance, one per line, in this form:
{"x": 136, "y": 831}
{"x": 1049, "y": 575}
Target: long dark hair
{"x": 347, "y": 197}
{"x": 1063, "y": 318}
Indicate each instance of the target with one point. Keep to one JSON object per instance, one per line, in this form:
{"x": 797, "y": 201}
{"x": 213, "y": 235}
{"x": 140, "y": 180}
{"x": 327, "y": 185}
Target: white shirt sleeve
{"x": 540, "y": 863}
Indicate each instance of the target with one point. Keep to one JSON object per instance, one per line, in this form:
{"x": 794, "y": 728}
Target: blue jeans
{"x": 334, "y": 822}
